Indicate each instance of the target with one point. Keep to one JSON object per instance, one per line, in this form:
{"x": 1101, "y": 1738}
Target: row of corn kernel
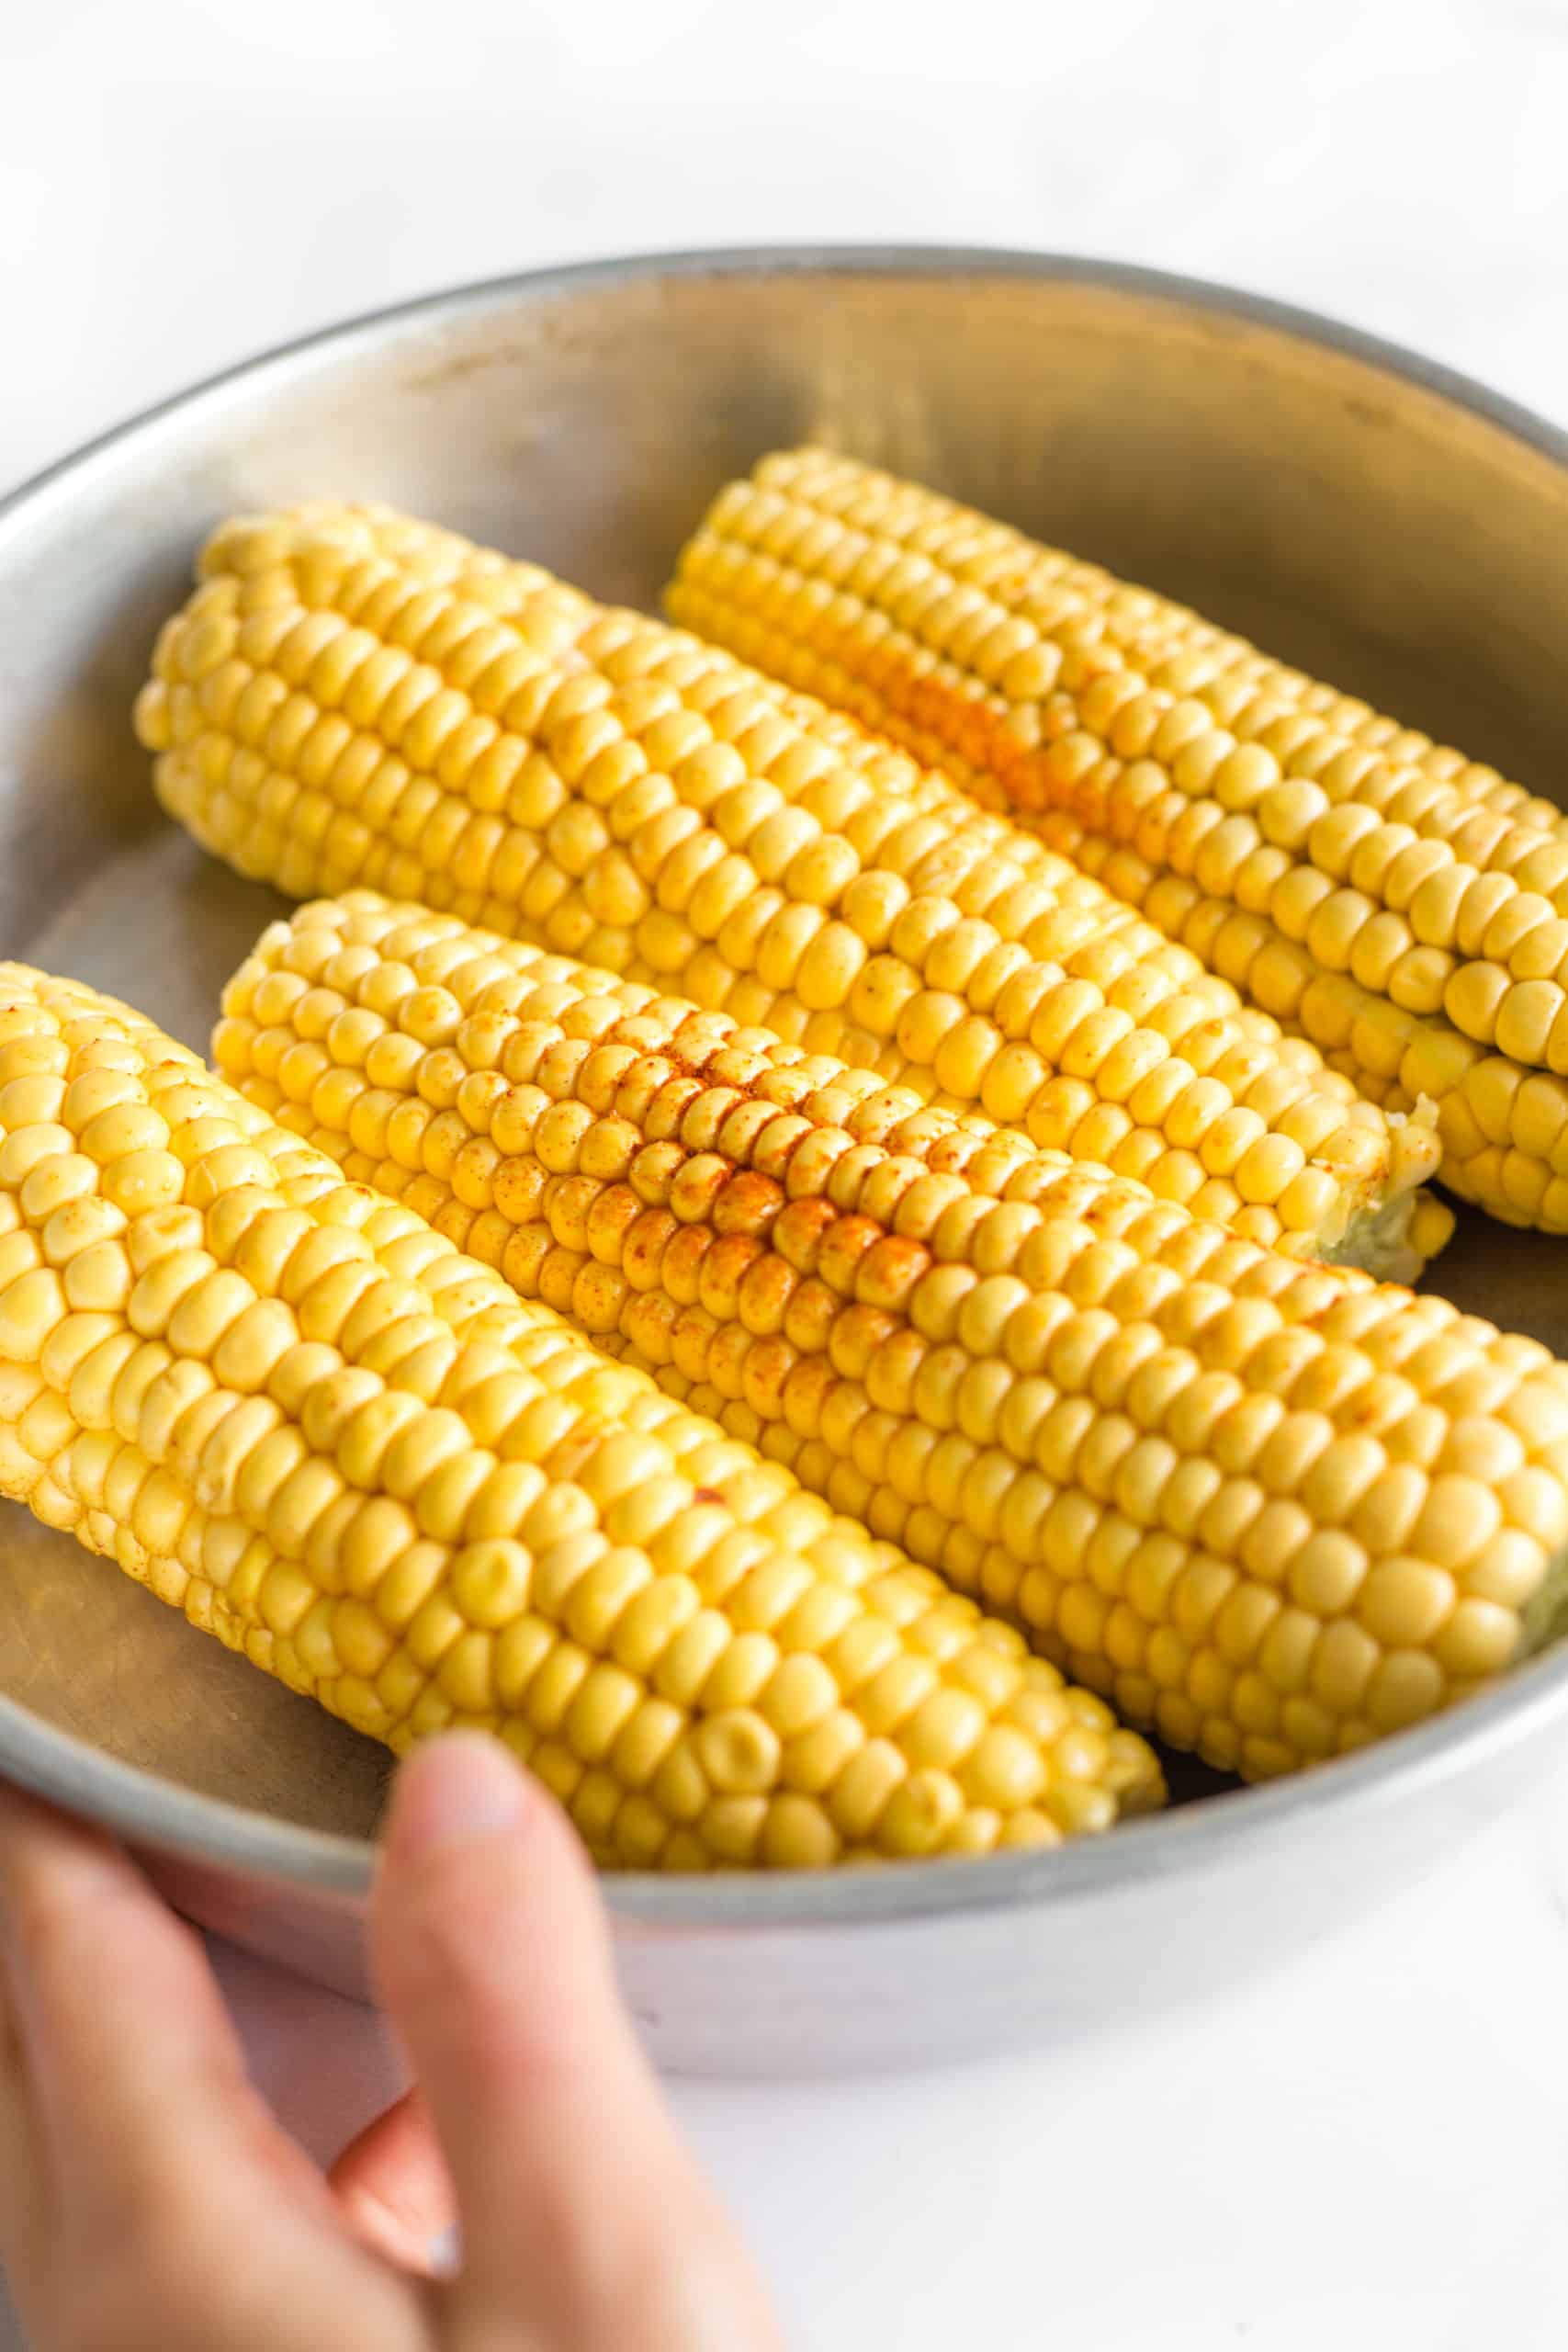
{"x": 288, "y": 1404}
{"x": 1270, "y": 1510}
{"x": 1438, "y": 887}
{"x": 617, "y": 790}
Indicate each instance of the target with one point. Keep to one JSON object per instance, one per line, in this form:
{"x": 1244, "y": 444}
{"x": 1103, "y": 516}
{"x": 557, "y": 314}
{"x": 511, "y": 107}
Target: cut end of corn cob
{"x": 289, "y": 1407}
{"x": 350, "y": 699}
{"x": 1396, "y": 1237}
{"x": 1270, "y": 1510}
{"x": 1545, "y": 1618}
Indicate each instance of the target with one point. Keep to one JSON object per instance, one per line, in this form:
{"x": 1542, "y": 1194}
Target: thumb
{"x": 579, "y": 2206}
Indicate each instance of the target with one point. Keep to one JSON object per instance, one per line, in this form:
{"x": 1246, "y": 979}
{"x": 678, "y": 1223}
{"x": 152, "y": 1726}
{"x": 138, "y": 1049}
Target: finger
{"x": 490, "y": 1947}
{"x": 26, "y": 2203}
{"x": 161, "y": 2156}
{"x": 394, "y": 2190}
{"x": 123, "y": 2027}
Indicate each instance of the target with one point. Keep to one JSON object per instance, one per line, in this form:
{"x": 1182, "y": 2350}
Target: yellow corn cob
{"x": 1270, "y": 1510}
{"x": 916, "y": 547}
{"x": 1504, "y": 1129}
{"x": 292, "y": 1408}
{"x": 1396, "y": 873}
{"x": 329, "y": 709}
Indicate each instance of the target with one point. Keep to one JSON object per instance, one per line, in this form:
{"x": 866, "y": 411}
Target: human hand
{"x": 150, "y": 2202}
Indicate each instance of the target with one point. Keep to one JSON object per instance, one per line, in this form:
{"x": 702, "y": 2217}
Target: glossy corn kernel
{"x": 333, "y": 708}
{"x": 1426, "y": 881}
{"x": 1269, "y": 1510}
{"x": 293, "y": 1409}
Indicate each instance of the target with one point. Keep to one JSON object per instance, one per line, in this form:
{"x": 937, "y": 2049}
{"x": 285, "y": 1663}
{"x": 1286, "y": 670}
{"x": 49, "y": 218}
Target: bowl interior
{"x": 1360, "y": 520}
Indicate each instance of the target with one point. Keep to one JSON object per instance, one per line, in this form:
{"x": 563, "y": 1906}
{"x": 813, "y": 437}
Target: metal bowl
{"x": 1381, "y": 521}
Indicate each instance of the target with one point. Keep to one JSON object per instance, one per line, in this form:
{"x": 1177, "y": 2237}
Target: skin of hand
{"x": 150, "y": 2202}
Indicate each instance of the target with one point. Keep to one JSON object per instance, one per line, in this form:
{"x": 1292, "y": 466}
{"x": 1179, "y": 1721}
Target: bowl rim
{"x": 164, "y": 1816}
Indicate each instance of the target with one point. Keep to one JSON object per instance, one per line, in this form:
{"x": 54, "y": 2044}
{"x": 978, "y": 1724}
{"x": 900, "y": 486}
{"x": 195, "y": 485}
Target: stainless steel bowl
{"x": 1389, "y": 526}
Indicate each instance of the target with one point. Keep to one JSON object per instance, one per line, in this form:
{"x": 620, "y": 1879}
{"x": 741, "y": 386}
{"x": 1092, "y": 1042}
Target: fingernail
{"x": 443, "y": 2254}
{"x": 461, "y": 1787}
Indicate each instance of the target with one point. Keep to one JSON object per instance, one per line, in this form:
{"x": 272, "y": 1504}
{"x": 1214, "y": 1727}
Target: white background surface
{"x": 1370, "y": 2151}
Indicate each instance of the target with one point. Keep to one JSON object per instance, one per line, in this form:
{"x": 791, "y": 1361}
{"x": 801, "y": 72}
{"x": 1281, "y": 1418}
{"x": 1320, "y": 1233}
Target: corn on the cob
{"x": 293, "y": 1409}
{"x": 330, "y": 709}
{"x": 1365, "y": 868}
{"x": 1270, "y": 1510}
{"x": 1504, "y": 1129}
